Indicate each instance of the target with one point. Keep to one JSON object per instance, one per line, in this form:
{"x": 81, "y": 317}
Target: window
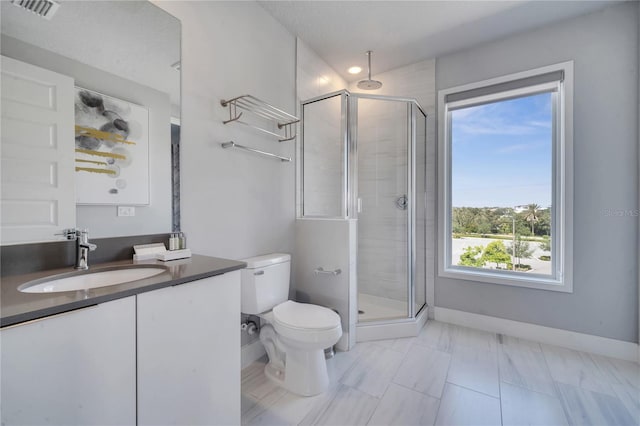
{"x": 506, "y": 180}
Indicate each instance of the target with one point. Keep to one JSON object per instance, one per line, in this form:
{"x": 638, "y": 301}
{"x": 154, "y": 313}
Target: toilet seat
{"x": 305, "y": 322}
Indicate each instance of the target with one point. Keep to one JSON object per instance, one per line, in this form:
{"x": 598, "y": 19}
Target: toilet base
{"x": 305, "y": 372}
{"x": 298, "y": 370}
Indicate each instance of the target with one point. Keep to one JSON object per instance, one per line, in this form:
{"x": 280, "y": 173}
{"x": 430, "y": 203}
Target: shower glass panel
{"x": 363, "y": 157}
{"x": 383, "y": 208}
{"x": 324, "y": 158}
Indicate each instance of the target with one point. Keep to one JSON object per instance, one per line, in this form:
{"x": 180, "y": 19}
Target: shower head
{"x": 369, "y": 84}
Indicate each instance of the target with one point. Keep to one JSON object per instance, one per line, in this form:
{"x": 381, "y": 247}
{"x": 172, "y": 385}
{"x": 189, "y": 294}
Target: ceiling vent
{"x": 43, "y": 8}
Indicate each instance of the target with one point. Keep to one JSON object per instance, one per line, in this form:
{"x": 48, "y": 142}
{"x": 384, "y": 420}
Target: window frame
{"x": 492, "y": 90}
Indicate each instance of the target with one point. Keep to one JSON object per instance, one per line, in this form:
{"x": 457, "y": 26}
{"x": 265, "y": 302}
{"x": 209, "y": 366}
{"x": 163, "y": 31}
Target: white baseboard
{"x": 553, "y": 336}
{"x": 251, "y": 353}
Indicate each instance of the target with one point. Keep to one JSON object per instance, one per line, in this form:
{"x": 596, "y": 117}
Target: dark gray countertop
{"x": 17, "y": 307}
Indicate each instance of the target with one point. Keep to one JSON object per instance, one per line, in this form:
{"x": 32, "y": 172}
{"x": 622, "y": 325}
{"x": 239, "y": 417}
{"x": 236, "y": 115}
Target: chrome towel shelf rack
{"x": 248, "y": 103}
{"x": 232, "y": 144}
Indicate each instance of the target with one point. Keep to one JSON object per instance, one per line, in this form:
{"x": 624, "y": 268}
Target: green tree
{"x": 463, "y": 219}
{"x": 545, "y": 245}
{"x": 472, "y": 256}
{"x": 531, "y": 215}
{"x": 496, "y": 252}
{"x": 520, "y": 250}
{"x": 543, "y": 226}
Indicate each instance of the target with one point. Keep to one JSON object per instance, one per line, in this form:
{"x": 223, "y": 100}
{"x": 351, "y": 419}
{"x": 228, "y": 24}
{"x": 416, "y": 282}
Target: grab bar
{"x": 232, "y": 144}
{"x": 321, "y": 270}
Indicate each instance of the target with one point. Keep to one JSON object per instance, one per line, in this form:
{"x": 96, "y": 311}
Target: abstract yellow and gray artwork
{"x": 112, "y": 150}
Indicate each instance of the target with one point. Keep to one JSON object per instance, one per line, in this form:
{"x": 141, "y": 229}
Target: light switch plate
{"x": 126, "y": 211}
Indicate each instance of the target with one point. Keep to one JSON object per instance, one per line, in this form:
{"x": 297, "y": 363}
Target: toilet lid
{"x": 305, "y": 316}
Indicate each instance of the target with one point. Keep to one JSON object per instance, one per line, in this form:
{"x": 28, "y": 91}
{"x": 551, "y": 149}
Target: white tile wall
{"x": 314, "y": 77}
{"x": 382, "y": 176}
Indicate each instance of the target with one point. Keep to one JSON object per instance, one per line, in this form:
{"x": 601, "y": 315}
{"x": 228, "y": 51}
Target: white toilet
{"x": 296, "y": 334}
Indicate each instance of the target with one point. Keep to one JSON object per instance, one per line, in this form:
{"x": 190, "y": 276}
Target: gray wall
{"x": 605, "y": 297}
{"x": 102, "y": 221}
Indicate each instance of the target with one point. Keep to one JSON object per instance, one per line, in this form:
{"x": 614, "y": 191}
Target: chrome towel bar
{"x": 232, "y": 144}
{"x": 265, "y": 111}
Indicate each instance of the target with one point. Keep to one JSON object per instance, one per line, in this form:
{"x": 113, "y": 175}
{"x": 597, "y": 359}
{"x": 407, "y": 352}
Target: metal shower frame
{"x": 349, "y": 208}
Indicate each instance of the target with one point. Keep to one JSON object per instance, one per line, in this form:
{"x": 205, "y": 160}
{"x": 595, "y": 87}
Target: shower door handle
{"x": 321, "y": 270}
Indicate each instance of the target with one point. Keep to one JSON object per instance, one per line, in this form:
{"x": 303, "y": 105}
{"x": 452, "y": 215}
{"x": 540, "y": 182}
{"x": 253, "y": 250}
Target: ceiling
{"x": 404, "y": 32}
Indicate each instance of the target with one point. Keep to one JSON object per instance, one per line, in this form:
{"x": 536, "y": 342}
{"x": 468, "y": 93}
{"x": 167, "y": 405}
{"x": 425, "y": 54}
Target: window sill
{"x": 525, "y": 280}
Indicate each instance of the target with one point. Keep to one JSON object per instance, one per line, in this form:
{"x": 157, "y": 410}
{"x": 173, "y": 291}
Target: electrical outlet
{"x": 126, "y": 211}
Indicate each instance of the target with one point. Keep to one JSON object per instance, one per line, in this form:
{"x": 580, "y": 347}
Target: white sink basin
{"x": 91, "y": 279}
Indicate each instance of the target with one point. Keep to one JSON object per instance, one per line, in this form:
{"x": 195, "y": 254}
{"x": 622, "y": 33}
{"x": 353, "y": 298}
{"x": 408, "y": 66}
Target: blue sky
{"x": 501, "y": 153}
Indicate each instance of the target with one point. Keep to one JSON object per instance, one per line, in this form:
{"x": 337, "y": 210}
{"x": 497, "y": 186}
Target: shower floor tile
{"x": 375, "y": 308}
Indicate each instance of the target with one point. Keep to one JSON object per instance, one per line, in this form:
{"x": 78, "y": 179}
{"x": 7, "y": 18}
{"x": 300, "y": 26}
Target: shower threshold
{"x": 378, "y": 328}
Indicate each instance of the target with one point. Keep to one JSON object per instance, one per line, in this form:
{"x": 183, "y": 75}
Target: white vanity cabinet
{"x": 73, "y": 368}
{"x": 189, "y": 353}
{"x": 167, "y": 356}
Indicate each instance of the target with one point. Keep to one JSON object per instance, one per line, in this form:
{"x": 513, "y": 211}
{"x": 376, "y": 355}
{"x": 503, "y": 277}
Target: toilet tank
{"x": 265, "y": 282}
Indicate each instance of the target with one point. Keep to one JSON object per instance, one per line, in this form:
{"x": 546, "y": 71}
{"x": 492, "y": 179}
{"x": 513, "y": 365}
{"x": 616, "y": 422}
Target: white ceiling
{"x": 404, "y": 32}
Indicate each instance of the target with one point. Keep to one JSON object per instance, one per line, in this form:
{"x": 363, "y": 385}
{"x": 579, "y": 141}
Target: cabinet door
{"x": 36, "y": 149}
{"x": 76, "y": 368}
{"x": 189, "y": 353}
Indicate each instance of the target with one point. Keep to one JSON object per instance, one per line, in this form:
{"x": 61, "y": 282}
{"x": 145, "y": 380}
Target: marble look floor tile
{"x": 320, "y": 406}
{"x": 397, "y": 381}
{"x": 475, "y": 369}
{"x": 340, "y": 364}
{"x": 584, "y": 407}
{"x": 254, "y": 383}
{"x": 349, "y": 407}
{"x": 437, "y": 335}
{"x": 425, "y": 370}
{"x": 518, "y": 343}
{"x": 618, "y": 371}
{"x": 527, "y": 369}
{"x": 630, "y": 398}
{"x": 469, "y": 338}
{"x": 246, "y": 403}
{"x": 261, "y": 406}
{"x": 291, "y": 409}
{"x": 576, "y": 368}
{"x": 373, "y": 370}
{"x": 460, "y": 406}
{"x": 399, "y": 345}
{"x": 402, "y": 406}
{"x": 524, "y": 407}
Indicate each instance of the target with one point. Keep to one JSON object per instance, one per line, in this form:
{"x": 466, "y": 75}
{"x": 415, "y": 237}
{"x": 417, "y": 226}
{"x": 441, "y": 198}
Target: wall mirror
{"x": 127, "y": 52}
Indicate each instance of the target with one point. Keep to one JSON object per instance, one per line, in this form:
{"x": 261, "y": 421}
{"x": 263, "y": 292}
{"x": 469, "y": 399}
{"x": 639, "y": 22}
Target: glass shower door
{"x": 383, "y": 175}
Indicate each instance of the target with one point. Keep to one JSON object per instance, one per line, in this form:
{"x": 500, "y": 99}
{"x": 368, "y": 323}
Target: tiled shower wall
{"x": 315, "y": 78}
{"x": 415, "y": 81}
{"x": 323, "y": 158}
{"x": 382, "y": 179}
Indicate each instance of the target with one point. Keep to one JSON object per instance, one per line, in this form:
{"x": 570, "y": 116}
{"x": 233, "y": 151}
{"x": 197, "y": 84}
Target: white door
{"x": 36, "y": 152}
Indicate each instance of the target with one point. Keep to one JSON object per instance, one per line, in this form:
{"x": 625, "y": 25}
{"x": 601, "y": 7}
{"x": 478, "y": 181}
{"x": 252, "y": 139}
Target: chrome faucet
{"x": 83, "y": 246}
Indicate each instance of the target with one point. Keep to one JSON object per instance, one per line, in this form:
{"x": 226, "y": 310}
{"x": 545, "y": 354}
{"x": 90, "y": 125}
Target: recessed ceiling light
{"x": 354, "y": 70}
